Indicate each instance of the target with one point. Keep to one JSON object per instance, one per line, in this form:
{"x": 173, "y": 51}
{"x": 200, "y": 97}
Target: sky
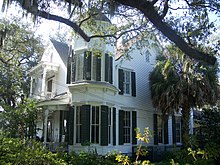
{"x": 49, "y": 28}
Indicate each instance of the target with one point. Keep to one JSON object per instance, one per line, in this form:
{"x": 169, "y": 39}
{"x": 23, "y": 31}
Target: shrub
{"x": 20, "y": 151}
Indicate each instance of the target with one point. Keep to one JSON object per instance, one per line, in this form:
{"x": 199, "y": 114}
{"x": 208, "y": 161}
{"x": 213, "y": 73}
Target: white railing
{"x": 49, "y": 95}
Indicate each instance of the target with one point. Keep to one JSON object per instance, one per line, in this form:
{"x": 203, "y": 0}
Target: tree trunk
{"x": 185, "y": 125}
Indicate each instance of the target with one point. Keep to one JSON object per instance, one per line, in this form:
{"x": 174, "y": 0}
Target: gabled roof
{"x": 62, "y": 49}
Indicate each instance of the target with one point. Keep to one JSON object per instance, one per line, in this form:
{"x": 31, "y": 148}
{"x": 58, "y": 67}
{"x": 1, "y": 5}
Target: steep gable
{"x": 62, "y": 49}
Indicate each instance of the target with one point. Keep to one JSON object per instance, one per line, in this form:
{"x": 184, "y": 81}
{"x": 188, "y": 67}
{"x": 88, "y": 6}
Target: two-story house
{"x": 98, "y": 99}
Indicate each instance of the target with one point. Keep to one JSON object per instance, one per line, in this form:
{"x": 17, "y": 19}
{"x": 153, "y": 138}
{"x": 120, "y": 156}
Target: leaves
{"x": 20, "y": 52}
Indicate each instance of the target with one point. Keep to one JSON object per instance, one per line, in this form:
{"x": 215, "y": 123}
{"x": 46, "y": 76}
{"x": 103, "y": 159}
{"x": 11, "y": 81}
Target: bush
{"x": 20, "y": 151}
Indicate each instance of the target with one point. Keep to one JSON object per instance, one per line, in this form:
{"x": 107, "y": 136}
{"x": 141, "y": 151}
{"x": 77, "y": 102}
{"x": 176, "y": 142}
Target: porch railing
{"x": 56, "y": 146}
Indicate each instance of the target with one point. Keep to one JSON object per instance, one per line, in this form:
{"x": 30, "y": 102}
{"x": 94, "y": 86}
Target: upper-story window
{"x": 91, "y": 67}
{"x": 127, "y": 82}
{"x": 50, "y": 85}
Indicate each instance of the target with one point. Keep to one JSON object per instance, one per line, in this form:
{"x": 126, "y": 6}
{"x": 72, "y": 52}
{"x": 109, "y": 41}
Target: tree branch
{"x": 153, "y": 16}
{"x": 165, "y": 9}
{"x": 60, "y": 19}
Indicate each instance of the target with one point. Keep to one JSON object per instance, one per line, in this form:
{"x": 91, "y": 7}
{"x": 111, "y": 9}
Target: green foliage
{"x": 21, "y": 120}
{"x": 20, "y": 151}
{"x": 20, "y": 51}
{"x": 190, "y": 156}
{"x": 178, "y": 81}
{"x": 208, "y": 131}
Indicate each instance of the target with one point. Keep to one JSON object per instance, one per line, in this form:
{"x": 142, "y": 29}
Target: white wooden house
{"x": 98, "y": 100}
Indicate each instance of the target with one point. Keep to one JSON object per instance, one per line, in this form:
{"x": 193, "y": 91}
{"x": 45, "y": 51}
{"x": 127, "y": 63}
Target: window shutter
{"x": 114, "y": 126}
{"x": 174, "y": 129}
{"x": 70, "y": 124}
{"x": 87, "y": 65}
{"x": 155, "y": 130}
{"x": 121, "y": 81}
{"x": 133, "y": 84}
{"x": 121, "y": 127}
{"x": 98, "y": 68}
{"x": 134, "y": 126}
{"x": 166, "y": 139}
{"x": 61, "y": 125}
{"x": 104, "y": 125}
{"x": 181, "y": 129}
{"x": 106, "y": 67}
{"x": 110, "y": 70}
{"x": 68, "y": 76}
{"x": 73, "y": 73}
{"x": 85, "y": 130}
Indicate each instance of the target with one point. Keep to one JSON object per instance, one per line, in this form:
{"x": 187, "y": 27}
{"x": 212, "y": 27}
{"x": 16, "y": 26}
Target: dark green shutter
{"x": 181, "y": 129}
{"x": 114, "y": 126}
{"x": 73, "y": 73}
{"x": 155, "y": 130}
{"x": 121, "y": 81}
{"x": 61, "y": 125}
{"x": 68, "y": 76}
{"x": 106, "y": 67}
{"x": 70, "y": 124}
{"x": 104, "y": 125}
{"x": 87, "y": 65}
{"x": 134, "y": 126}
{"x": 174, "y": 129}
{"x": 133, "y": 84}
{"x": 121, "y": 127}
{"x": 110, "y": 70}
{"x": 85, "y": 112}
{"x": 166, "y": 139}
{"x": 98, "y": 68}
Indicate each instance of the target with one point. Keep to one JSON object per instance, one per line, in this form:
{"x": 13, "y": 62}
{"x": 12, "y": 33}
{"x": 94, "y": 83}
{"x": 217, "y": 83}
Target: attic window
{"x": 147, "y": 56}
{"x": 51, "y": 57}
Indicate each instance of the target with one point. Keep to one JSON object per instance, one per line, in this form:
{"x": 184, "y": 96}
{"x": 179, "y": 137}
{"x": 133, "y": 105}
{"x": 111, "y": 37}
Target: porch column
{"x": 43, "y": 83}
{"x": 46, "y": 114}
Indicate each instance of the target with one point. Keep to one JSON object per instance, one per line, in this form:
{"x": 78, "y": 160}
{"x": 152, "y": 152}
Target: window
{"x": 78, "y": 125}
{"x": 127, "y": 82}
{"x": 127, "y": 127}
{"x": 63, "y": 126}
{"x": 89, "y": 67}
{"x": 178, "y": 129}
{"x": 49, "y": 85}
{"x": 95, "y": 125}
{"x": 49, "y": 130}
{"x": 79, "y": 66}
{"x": 147, "y": 56}
{"x": 160, "y": 128}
